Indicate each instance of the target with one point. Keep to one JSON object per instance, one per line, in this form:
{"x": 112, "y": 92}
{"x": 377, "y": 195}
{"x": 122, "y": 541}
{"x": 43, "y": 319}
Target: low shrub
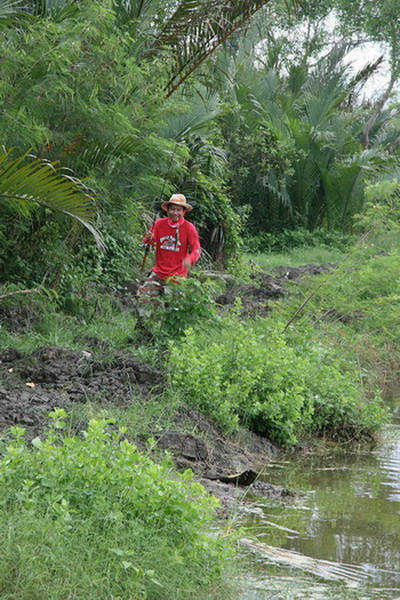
{"x": 90, "y": 517}
{"x": 240, "y": 377}
{"x": 339, "y": 410}
{"x": 253, "y": 376}
{"x": 297, "y": 238}
{"x": 184, "y": 304}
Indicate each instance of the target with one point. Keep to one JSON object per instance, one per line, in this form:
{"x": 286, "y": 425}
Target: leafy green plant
{"x": 255, "y": 376}
{"x": 340, "y": 410}
{"x": 141, "y": 519}
{"x": 185, "y": 304}
{"x": 242, "y": 377}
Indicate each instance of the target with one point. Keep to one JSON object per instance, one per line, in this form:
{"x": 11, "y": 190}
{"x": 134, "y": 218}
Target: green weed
{"x": 88, "y": 516}
{"x": 184, "y": 305}
{"x": 295, "y": 258}
{"x": 255, "y": 376}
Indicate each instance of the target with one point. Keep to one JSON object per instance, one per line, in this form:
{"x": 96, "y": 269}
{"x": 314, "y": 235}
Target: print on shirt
{"x": 169, "y": 242}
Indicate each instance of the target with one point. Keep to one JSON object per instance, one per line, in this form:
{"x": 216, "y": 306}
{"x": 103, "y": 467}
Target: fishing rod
{"x": 147, "y": 245}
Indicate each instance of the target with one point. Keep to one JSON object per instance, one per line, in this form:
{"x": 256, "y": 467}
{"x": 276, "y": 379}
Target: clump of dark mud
{"x": 34, "y": 384}
{"x": 256, "y": 297}
{"x": 228, "y": 468}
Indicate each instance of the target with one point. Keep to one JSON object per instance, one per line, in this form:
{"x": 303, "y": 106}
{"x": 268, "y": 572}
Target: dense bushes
{"x": 251, "y": 375}
{"x": 297, "y": 238}
{"x": 85, "y": 517}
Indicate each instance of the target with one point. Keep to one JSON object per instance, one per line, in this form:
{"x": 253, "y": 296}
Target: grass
{"x": 115, "y": 328}
{"x": 90, "y": 517}
{"x": 141, "y": 419}
{"x": 41, "y": 561}
{"x": 297, "y": 257}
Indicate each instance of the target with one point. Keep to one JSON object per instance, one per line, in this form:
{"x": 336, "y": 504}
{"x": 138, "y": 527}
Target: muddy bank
{"x": 256, "y": 297}
{"x": 53, "y": 377}
{"x": 31, "y": 385}
{"x": 34, "y": 384}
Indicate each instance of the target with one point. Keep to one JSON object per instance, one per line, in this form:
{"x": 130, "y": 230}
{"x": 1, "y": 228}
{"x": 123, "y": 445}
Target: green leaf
{"x": 25, "y": 181}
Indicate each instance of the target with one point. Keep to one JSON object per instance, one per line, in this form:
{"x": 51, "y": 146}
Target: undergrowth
{"x": 90, "y": 517}
{"x": 277, "y": 385}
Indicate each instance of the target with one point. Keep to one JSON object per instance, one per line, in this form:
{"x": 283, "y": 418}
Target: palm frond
{"x": 26, "y": 180}
{"x": 196, "y": 29}
{"x": 203, "y": 108}
{"x": 128, "y": 10}
{"x": 94, "y": 153}
{"x": 10, "y": 10}
{"x": 57, "y": 10}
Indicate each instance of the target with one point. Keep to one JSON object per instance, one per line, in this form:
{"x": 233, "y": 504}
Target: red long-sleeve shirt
{"x": 174, "y": 241}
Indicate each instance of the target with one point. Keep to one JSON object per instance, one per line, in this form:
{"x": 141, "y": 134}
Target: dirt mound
{"x": 255, "y": 297}
{"x": 211, "y": 454}
{"x": 34, "y": 384}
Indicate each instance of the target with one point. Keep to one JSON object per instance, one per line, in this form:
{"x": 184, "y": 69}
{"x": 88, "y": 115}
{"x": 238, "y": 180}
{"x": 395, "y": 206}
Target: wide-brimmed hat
{"x": 178, "y": 200}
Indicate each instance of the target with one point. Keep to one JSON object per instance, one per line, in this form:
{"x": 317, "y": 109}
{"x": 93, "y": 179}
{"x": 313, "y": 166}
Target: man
{"x": 177, "y": 247}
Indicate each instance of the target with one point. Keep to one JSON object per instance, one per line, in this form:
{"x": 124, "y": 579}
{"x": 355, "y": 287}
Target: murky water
{"x": 340, "y": 538}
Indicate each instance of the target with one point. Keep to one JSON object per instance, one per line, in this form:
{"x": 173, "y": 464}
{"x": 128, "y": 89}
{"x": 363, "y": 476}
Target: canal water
{"x": 339, "y": 538}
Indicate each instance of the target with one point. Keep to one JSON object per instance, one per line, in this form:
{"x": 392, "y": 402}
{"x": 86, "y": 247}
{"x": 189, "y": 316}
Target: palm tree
{"x": 194, "y": 30}
{"x": 300, "y": 159}
{"x": 26, "y": 182}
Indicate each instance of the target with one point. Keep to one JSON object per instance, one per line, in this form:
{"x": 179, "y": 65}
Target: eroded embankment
{"x": 32, "y": 385}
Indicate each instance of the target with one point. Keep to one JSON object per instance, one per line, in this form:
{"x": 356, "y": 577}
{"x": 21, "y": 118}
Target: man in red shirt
{"x": 177, "y": 247}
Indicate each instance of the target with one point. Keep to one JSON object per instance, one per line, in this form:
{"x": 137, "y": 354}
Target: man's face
{"x": 175, "y": 212}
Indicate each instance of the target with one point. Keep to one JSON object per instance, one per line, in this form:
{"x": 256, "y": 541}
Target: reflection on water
{"x": 347, "y": 513}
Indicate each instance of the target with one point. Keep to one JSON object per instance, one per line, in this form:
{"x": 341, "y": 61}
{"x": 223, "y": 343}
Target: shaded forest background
{"x": 251, "y": 109}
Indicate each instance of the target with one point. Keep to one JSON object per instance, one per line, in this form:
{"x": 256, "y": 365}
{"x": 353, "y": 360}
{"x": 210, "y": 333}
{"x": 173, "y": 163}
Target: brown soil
{"x": 53, "y": 377}
{"x": 31, "y": 385}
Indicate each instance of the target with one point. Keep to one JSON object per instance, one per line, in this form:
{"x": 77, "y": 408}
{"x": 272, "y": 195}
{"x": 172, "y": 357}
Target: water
{"x": 341, "y": 534}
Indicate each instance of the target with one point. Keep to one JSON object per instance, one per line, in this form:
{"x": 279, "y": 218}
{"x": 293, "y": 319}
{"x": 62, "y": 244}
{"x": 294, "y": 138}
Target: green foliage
{"x": 22, "y": 309}
{"x": 185, "y": 304}
{"x": 355, "y": 308}
{"x": 83, "y": 86}
{"x": 220, "y": 225}
{"x": 251, "y": 375}
{"x": 340, "y": 409}
{"x": 379, "y": 22}
{"x": 83, "y": 100}
{"x": 297, "y": 238}
{"x": 293, "y": 142}
{"x": 379, "y": 221}
{"x": 26, "y": 183}
{"x": 364, "y": 291}
{"x": 120, "y": 509}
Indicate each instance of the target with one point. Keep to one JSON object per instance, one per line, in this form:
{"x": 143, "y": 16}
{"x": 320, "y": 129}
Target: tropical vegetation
{"x": 85, "y": 516}
{"x": 254, "y": 111}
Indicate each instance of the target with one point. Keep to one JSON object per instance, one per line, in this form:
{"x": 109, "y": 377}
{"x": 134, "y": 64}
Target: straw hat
{"x": 178, "y": 200}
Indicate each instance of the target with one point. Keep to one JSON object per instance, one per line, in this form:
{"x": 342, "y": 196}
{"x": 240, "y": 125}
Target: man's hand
{"x": 187, "y": 263}
{"x": 148, "y": 237}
